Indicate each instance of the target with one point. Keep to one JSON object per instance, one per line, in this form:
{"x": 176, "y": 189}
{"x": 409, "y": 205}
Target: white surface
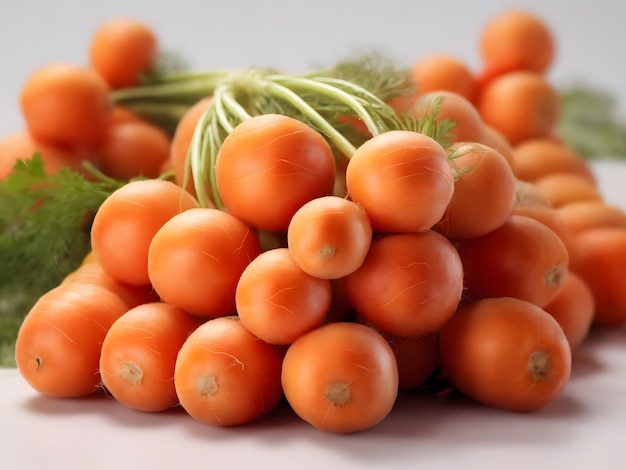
{"x": 584, "y": 428}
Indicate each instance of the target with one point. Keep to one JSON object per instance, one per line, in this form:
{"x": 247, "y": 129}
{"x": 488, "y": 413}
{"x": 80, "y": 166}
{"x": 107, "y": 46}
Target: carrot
{"x": 526, "y": 194}
{"x": 573, "y": 307}
{"x": 225, "y": 376}
{"x": 58, "y": 345}
{"x": 139, "y": 354}
{"x": 329, "y": 237}
{"x": 505, "y": 353}
{"x": 66, "y": 104}
{"x": 269, "y": 166}
{"x": 521, "y": 105}
{"x": 417, "y": 358}
{"x": 277, "y": 301}
{"x": 133, "y": 149}
{"x": 196, "y": 258}
{"x": 522, "y": 258}
{"x": 468, "y": 123}
{"x": 484, "y": 191}
{"x": 496, "y": 140}
{"x": 121, "y": 113}
{"x": 436, "y": 72}
{"x": 410, "y": 284}
{"x": 598, "y": 256}
{"x": 532, "y": 203}
{"x": 127, "y": 220}
{"x": 122, "y": 50}
{"x": 548, "y": 216}
{"x": 341, "y": 377}
{"x": 402, "y": 179}
{"x": 21, "y": 145}
{"x": 517, "y": 40}
{"x": 91, "y": 272}
{"x": 584, "y": 215}
{"x": 538, "y": 157}
{"x": 181, "y": 140}
{"x": 565, "y": 188}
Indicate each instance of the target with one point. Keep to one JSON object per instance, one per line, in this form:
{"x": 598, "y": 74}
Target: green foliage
{"x": 44, "y": 235}
{"x": 589, "y": 123}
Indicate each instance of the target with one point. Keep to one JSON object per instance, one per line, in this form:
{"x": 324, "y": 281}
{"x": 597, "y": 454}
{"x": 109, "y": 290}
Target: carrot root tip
{"x": 555, "y": 276}
{"x": 326, "y": 252}
{"x": 539, "y": 364}
{"x": 131, "y": 373}
{"x": 338, "y": 393}
{"x": 206, "y": 385}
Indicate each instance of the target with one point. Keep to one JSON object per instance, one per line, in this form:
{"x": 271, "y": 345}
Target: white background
{"x": 296, "y": 35}
{"x": 585, "y": 428}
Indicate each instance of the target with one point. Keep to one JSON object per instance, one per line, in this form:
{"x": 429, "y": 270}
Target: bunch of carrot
{"x": 336, "y": 283}
{"x": 93, "y": 130}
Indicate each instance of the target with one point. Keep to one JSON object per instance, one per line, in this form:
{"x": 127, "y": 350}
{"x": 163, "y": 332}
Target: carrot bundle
{"x": 326, "y": 244}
